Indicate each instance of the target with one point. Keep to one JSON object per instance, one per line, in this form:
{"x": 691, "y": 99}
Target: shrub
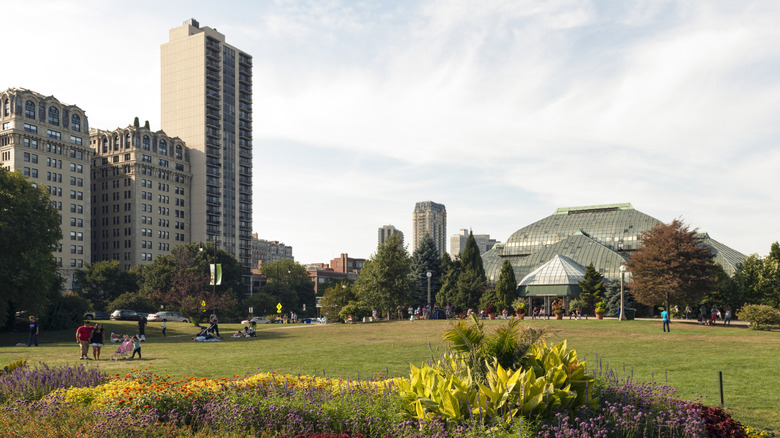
{"x": 719, "y": 423}
{"x": 759, "y": 315}
{"x": 27, "y": 383}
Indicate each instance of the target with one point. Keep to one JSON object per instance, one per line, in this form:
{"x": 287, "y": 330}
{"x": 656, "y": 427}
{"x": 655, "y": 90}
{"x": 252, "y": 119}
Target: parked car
{"x": 126, "y": 315}
{"x": 97, "y": 315}
{"x": 167, "y": 316}
{"x": 256, "y": 320}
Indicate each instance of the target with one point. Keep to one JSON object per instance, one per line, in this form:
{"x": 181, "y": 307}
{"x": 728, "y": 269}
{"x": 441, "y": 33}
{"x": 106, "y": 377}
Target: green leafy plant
{"x": 519, "y": 305}
{"x": 760, "y": 316}
{"x": 600, "y": 307}
{"x": 553, "y": 380}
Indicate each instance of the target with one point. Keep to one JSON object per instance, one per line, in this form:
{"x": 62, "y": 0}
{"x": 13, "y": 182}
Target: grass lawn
{"x": 689, "y": 358}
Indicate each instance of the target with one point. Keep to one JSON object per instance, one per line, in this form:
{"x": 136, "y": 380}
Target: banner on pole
{"x": 217, "y": 274}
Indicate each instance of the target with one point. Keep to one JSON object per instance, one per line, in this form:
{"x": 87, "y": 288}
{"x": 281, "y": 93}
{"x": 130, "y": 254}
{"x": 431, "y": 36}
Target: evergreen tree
{"x": 612, "y": 299}
{"x": 472, "y": 282}
{"x": 592, "y": 288}
{"x": 470, "y": 258}
{"x": 386, "y": 280}
{"x": 450, "y": 271}
{"x": 426, "y": 259}
{"x": 506, "y": 287}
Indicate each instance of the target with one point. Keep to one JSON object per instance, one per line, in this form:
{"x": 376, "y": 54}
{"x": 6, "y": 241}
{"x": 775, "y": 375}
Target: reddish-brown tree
{"x": 672, "y": 267}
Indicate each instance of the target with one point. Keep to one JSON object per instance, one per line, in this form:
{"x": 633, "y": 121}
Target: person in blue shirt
{"x": 665, "y": 319}
{"x": 33, "y": 338}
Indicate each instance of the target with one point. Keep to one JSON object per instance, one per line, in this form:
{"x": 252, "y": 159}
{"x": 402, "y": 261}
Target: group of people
{"x": 290, "y": 318}
{"x": 95, "y": 336}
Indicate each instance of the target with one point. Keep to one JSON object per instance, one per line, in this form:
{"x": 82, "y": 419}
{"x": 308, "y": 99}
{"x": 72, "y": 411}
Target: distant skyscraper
{"x": 458, "y": 242}
{"x": 206, "y": 100}
{"x": 386, "y": 231}
{"x": 431, "y": 218}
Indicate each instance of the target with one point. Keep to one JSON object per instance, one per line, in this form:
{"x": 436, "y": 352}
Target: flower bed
{"x": 82, "y": 402}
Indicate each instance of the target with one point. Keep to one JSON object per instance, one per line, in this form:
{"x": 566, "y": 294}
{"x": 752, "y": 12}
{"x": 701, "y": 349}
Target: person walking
{"x": 665, "y": 319}
{"x": 97, "y": 339}
{"x": 215, "y": 323}
{"x": 164, "y": 326}
{"x": 714, "y": 314}
{"x": 33, "y": 338}
{"x": 142, "y": 327}
{"x": 726, "y": 317}
{"x": 687, "y": 312}
{"x": 83, "y": 334}
{"x": 136, "y": 347}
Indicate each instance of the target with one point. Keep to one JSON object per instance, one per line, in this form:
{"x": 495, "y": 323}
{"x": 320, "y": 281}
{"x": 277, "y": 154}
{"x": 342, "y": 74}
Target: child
{"x": 136, "y": 347}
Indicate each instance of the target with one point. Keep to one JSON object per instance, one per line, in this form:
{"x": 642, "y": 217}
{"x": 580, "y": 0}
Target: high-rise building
{"x": 49, "y": 142}
{"x": 206, "y": 100}
{"x": 430, "y": 218}
{"x": 386, "y": 231}
{"x": 141, "y": 195}
{"x": 458, "y": 242}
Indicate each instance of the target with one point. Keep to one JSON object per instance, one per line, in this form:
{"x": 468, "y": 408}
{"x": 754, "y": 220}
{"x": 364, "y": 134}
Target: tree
{"x": 450, "y": 271}
{"x": 386, "y": 280}
{"x": 335, "y": 298}
{"x": 592, "y": 288}
{"x": 506, "y": 287}
{"x": 180, "y": 280}
{"x": 103, "y": 281}
{"x": 29, "y": 230}
{"x": 472, "y": 282}
{"x": 426, "y": 259}
{"x": 291, "y": 284}
{"x": 136, "y": 123}
{"x": 612, "y": 299}
{"x": 673, "y": 265}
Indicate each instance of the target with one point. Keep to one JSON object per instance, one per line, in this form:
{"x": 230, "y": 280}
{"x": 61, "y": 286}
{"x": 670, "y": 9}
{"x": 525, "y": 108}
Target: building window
{"x": 75, "y": 123}
{"x": 54, "y": 116}
{"x": 30, "y": 128}
{"x": 29, "y": 109}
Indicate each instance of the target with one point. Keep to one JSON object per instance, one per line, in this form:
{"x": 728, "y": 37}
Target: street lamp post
{"x": 622, "y": 309}
{"x": 429, "y": 290}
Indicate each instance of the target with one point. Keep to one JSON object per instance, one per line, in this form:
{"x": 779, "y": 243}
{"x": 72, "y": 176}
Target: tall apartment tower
{"x": 386, "y": 231}
{"x": 430, "y": 218}
{"x": 140, "y": 195}
{"x": 206, "y": 100}
{"x": 49, "y": 142}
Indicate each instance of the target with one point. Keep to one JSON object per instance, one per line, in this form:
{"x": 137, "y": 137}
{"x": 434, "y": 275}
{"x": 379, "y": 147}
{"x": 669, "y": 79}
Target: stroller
{"x": 125, "y": 348}
{"x": 205, "y": 335}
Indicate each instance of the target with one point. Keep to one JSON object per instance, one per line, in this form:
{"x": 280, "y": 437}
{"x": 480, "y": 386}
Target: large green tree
{"x": 289, "y": 284}
{"x": 450, "y": 271}
{"x": 181, "y": 281}
{"x": 29, "y": 230}
{"x": 103, "y": 281}
{"x": 673, "y": 266}
{"x": 506, "y": 287}
{"x": 337, "y": 296}
{"x": 386, "y": 280}
{"x": 426, "y": 259}
{"x": 592, "y": 288}
{"x": 472, "y": 282}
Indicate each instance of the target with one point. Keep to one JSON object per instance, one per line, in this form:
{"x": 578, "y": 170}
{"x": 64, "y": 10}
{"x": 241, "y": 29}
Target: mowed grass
{"x": 689, "y": 358}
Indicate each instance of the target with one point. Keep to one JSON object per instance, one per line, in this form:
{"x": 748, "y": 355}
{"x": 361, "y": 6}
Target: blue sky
{"x": 501, "y": 110}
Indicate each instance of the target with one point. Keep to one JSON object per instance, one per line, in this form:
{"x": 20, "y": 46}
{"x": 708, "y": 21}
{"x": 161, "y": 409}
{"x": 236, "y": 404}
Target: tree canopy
{"x": 426, "y": 259}
{"x": 506, "y": 287}
{"x": 29, "y": 230}
{"x": 104, "y": 281}
{"x": 180, "y": 280}
{"x": 386, "y": 280}
{"x": 672, "y": 266}
{"x": 472, "y": 282}
{"x": 592, "y": 288}
{"x": 289, "y": 284}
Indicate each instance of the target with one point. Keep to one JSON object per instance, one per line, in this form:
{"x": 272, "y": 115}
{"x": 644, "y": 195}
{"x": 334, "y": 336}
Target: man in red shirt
{"x": 83, "y": 334}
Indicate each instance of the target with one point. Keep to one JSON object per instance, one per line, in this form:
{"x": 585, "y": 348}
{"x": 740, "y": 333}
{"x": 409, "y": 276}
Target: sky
{"x": 503, "y": 111}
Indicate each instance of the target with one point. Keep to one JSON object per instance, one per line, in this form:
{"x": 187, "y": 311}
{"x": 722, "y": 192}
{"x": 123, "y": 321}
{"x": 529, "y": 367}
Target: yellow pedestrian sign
{"x": 279, "y": 308}
{"x": 203, "y": 303}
